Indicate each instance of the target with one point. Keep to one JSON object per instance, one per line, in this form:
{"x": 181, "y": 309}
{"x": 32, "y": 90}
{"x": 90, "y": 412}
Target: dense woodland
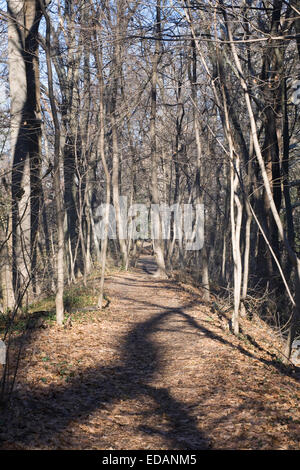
{"x": 164, "y": 102}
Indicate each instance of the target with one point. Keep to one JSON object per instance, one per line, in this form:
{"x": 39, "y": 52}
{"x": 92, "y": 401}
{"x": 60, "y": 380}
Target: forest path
{"x": 158, "y": 370}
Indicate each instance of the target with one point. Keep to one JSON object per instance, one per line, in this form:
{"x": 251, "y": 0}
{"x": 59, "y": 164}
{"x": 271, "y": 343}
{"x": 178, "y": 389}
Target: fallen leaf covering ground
{"x": 157, "y": 369}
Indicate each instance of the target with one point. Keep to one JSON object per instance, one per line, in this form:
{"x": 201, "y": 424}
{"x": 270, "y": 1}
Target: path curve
{"x": 157, "y": 369}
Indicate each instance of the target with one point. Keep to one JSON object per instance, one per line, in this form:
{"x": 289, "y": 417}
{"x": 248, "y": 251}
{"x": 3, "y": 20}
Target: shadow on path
{"x": 46, "y": 416}
{"x": 50, "y": 411}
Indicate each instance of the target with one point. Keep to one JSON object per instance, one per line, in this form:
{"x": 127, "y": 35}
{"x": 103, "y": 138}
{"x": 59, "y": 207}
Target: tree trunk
{"x": 157, "y": 243}
{"x": 23, "y": 24}
{"x": 58, "y": 172}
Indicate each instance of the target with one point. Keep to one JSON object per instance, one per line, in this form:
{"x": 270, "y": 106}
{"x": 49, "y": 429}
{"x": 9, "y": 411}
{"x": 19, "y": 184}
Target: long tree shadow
{"x": 216, "y": 337}
{"x": 51, "y": 411}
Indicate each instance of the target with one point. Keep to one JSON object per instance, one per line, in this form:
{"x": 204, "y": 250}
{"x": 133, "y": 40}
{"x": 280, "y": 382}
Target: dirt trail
{"x": 158, "y": 371}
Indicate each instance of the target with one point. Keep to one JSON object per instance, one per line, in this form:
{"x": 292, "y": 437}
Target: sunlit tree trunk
{"x": 157, "y": 243}
{"x": 58, "y": 189}
{"x": 6, "y": 278}
{"x": 23, "y": 24}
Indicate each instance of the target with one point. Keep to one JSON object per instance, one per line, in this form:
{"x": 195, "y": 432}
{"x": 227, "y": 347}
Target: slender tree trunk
{"x": 6, "y": 276}
{"x": 198, "y": 180}
{"x": 246, "y": 261}
{"x": 58, "y": 172}
{"x": 157, "y": 243}
{"x": 101, "y": 149}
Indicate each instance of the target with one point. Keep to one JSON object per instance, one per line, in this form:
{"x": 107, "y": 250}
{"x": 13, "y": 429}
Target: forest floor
{"x": 157, "y": 369}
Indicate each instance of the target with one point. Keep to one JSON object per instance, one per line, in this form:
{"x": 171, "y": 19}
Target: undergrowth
{"x": 76, "y": 299}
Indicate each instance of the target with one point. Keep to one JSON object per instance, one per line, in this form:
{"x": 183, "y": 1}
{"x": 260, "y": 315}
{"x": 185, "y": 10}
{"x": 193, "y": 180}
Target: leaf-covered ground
{"x": 157, "y": 369}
